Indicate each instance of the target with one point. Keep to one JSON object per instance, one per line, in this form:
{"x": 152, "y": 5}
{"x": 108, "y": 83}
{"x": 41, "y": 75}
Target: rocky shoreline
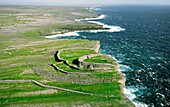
{"x": 123, "y": 80}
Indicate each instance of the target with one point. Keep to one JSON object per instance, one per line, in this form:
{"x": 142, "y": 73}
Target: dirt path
{"x": 15, "y": 81}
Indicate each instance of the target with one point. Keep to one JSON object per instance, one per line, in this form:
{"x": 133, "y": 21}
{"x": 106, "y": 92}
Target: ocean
{"x": 139, "y": 39}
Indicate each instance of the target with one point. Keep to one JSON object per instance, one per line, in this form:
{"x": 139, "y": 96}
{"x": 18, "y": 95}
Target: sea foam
{"x": 91, "y": 20}
{"x": 130, "y": 90}
{"x": 129, "y": 93}
{"x": 64, "y": 34}
{"x": 96, "y": 18}
{"x": 108, "y": 27}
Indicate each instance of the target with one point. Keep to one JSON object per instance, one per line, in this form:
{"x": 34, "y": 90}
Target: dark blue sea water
{"x": 142, "y": 50}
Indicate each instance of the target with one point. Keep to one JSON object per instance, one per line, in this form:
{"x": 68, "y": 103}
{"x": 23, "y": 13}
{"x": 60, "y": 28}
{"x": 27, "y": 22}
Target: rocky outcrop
{"x": 81, "y": 59}
{"x": 91, "y": 65}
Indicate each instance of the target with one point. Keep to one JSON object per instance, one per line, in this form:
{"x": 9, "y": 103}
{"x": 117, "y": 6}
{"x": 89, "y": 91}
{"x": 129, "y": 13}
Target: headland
{"x": 36, "y": 71}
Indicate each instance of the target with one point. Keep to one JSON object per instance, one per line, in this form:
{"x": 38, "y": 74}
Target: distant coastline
{"x": 106, "y": 28}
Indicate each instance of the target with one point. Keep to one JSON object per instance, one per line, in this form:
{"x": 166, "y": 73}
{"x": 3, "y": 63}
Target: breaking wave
{"x": 107, "y": 28}
{"x": 64, "y": 34}
{"x": 129, "y": 93}
{"x": 87, "y": 19}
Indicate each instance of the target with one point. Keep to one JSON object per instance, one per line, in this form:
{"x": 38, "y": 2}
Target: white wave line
{"x": 90, "y": 20}
{"x": 64, "y": 34}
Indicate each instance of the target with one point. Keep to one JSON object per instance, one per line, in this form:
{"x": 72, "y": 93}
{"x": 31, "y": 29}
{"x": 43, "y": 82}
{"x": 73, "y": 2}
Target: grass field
{"x": 25, "y": 55}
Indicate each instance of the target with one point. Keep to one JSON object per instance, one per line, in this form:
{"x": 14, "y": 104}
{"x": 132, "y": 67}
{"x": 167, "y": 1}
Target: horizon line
{"x": 42, "y": 4}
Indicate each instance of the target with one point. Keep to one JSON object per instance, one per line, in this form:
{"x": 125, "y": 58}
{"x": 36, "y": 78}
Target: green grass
{"x": 67, "y": 54}
{"x": 57, "y": 98}
{"x": 11, "y": 20}
{"x": 99, "y": 59}
{"x": 23, "y": 52}
{"x": 107, "y": 89}
{"x": 78, "y": 26}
